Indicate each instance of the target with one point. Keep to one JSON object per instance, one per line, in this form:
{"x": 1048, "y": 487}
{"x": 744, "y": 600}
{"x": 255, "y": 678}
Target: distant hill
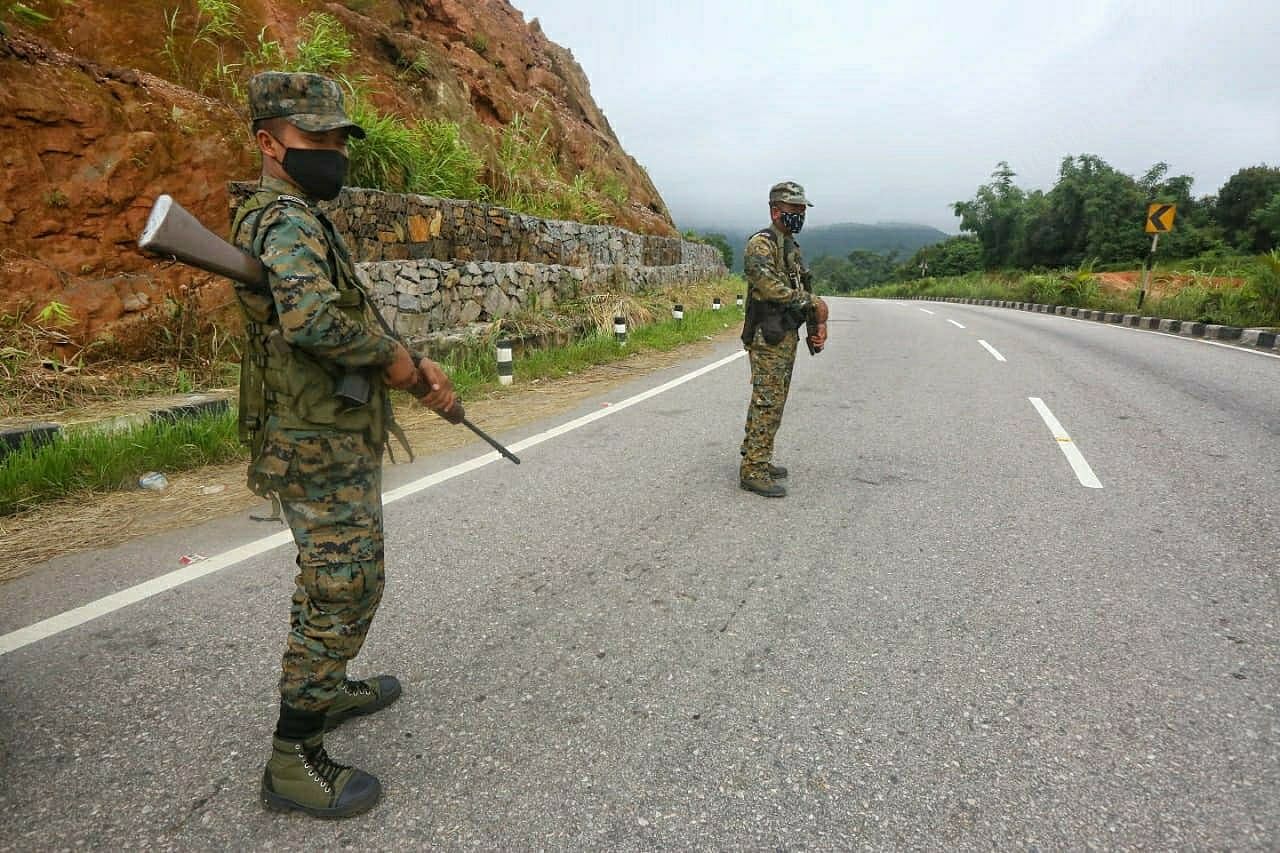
{"x": 841, "y": 239}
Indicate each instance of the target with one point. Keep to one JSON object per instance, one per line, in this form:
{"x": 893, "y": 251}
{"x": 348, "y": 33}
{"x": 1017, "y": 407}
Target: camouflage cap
{"x": 309, "y": 101}
{"x": 788, "y": 192}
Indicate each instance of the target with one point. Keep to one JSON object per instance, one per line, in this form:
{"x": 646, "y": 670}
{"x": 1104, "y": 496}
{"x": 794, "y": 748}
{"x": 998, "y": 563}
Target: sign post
{"x": 1159, "y": 220}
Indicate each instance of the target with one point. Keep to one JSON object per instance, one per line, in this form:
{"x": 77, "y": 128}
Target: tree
{"x": 863, "y": 268}
{"x": 953, "y": 256}
{"x": 994, "y": 214}
{"x": 1099, "y": 212}
{"x": 1244, "y": 193}
{"x": 1265, "y": 222}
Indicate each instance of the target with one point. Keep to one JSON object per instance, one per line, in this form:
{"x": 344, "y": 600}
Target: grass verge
{"x": 85, "y": 462}
{"x": 474, "y": 370}
{"x": 102, "y": 461}
{"x": 1254, "y": 304}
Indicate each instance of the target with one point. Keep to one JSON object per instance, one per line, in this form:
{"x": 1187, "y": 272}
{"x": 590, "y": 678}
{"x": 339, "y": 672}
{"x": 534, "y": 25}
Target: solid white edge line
{"x": 69, "y": 619}
{"x": 1078, "y": 464}
{"x": 926, "y": 310}
{"x": 993, "y": 351}
{"x": 954, "y": 323}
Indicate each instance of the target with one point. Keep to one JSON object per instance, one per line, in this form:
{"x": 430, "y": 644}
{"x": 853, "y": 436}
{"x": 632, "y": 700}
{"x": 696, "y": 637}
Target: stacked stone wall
{"x": 434, "y": 264}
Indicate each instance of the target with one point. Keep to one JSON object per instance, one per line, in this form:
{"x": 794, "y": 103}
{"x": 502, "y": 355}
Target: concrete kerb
{"x": 1265, "y": 339}
{"x": 40, "y": 433}
{"x": 1218, "y": 332}
{"x": 1260, "y": 338}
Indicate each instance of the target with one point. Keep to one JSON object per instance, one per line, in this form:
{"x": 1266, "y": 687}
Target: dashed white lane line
{"x": 926, "y": 310}
{"x": 109, "y": 604}
{"x": 954, "y": 323}
{"x": 1078, "y": 464}
{"x": 995, "y": 352}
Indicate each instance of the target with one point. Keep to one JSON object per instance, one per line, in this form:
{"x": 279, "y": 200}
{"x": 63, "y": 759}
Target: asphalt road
{"x": 950, "y": 635}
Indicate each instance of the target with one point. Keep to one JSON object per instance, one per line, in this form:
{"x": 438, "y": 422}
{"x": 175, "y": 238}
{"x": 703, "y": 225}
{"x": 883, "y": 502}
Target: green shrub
{"x": 1265, "y": 283}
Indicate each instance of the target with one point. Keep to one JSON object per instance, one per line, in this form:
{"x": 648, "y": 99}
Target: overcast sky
{"x": 891, "y": 111}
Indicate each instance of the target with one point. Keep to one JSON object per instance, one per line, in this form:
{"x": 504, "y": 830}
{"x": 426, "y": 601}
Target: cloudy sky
{"x": 890, "y": 111}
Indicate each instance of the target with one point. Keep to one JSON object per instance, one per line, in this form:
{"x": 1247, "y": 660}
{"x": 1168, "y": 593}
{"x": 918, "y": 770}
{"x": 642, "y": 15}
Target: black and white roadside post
{"x": 620, "y": 330}
{"x": 738, "y": 301}
{"x": 715, "y": 304}
{"x": 1159, "y": 220}
{"x": 677, "y": 312}
{"x": 505, "y": 375}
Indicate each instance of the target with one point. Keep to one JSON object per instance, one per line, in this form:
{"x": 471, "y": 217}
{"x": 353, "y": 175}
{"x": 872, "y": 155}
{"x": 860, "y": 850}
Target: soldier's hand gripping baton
{"x": 174, "y": 232}
{"x": 458, "y": 415}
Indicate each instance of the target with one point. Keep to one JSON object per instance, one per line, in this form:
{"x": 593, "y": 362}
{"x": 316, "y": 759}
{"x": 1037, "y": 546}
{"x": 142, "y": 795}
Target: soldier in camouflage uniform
{"x": 319, "y": 455}
{"x": 778, "y": 301}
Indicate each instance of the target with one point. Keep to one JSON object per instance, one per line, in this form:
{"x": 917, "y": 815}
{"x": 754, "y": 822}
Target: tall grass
{"x": 527, "y": 179}
{"x": 324, "y": 46}
{"x": 101, "y": 461}
{"x": 428, "y": 157}
{"x": 214, "y": 23}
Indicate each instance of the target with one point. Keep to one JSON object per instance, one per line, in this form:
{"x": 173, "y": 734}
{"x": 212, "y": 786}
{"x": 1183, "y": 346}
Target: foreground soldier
{"x": 779, "y": 301}
{"x": 318, "y": 454}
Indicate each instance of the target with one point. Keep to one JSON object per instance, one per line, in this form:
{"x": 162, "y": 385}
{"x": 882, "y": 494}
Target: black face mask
{"x": 793, "y": 222}
{"x": 318, "y": 171}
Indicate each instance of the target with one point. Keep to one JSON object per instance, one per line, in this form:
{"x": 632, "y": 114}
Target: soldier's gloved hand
{"x": 441, "y": 397}
{"x": 401, "y": 373}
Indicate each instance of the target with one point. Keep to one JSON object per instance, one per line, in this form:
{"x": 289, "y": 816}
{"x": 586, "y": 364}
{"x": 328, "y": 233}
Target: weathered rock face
{"x": 94, "y": 124}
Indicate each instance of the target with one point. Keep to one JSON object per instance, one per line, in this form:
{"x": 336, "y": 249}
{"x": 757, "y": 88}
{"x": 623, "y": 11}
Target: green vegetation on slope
{"x": 208, "y": 50}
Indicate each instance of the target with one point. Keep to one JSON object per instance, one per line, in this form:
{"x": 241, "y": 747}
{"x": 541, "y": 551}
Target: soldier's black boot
{"x": 357, "y": 698}
{"x": 763, "y": 486}
{"x": 301, "y": 777}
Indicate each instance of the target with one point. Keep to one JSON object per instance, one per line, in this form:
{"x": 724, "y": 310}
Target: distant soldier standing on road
{"x": 779, "y": 301}
{"x": 318, "y": 454}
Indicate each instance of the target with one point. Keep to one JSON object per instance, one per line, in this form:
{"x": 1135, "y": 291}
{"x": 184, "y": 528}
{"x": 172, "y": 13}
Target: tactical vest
{"x": 285, "y": 385}
{"x": 775, "y": 320}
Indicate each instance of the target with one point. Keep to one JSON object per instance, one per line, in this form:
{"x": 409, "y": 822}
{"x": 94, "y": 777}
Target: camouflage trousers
{"x": 771, "y": 366}
{"x": 330, "y": 487}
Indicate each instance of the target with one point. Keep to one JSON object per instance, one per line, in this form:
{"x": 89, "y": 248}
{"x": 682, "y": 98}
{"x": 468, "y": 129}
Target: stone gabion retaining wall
{"x": 421, "y": 297}
{"x": 433, "y": 264}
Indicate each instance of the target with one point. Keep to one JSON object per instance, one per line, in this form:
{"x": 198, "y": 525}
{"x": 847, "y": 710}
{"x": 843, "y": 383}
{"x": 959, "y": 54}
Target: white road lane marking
{"x": 1078, "y": 464}
{"x": 926, "y": 310}
{"x": 954, "y": 323}
{"x": 989, "y": 348}
{"x": 109, "y": 604}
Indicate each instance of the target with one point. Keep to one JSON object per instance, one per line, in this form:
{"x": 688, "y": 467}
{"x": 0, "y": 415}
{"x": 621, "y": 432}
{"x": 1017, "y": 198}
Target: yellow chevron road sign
{"x": 1160, "y": 217}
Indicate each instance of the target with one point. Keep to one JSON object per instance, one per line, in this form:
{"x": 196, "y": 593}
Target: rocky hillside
{"x": 104, "y": 104}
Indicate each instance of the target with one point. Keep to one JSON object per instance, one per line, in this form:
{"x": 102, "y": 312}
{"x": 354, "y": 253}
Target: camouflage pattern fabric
{"x": 775, "y": 269}
{"x": 310, "y": 102}
{"x": 771, "y": 366}
{"x": 330, "y": 487}
{"x": 295, "y": 245}
{"x": 788, "y": 192}
{"x": 328, "y": 480}
{"x": 775, "y": 273}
